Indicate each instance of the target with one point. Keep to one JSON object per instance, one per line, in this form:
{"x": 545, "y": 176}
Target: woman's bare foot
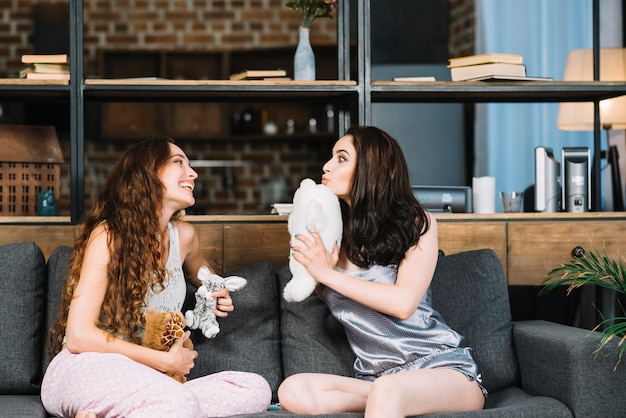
{"x": 86, "y": 414}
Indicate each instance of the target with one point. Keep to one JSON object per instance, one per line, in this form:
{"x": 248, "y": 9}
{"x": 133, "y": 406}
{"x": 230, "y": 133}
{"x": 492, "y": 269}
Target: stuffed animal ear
{"x": 204, "y": 273}
{"x": 234, "y": 283}
{"x": 307, "y": 182}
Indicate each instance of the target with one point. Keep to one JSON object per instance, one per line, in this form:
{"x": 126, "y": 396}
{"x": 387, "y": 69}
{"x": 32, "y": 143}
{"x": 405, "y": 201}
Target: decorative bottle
{"x": 304, "y": 59}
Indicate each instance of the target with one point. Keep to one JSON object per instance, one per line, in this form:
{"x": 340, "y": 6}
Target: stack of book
{"x": 487, "y": 67}
{"x": 45, "y": 67}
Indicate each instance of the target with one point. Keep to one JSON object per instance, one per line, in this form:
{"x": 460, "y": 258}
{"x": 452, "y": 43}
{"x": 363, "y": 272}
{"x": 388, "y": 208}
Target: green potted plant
{"x": 595, "y": 268}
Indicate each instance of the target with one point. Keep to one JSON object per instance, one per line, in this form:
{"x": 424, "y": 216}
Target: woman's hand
{"x": 224, "y": 303}
{"x": 181, "y": 359}
{"x": 312, "y": 254}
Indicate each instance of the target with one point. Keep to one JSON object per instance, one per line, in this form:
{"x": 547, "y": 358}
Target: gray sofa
{"x": 531, "y": 369}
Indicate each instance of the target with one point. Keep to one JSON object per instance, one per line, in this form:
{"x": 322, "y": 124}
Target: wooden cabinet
{"x": 455, "y": 237}
{"x": 535, "y": 248}
{"x": 227, "y": 242}
{"x": 251, "y": 243}
{"x": 528, "y": 245}
{"x": 211, "y": 237}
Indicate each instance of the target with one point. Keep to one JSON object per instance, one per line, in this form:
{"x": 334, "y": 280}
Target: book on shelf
{"x": 45, "y": 76}
{"x": 41, "y": 67}
{"x": 510, "y": 78}
{"x": 45, "y": 58}
{"x": 44, "y": 69}
{"x": 416, "y": 78}
{"x": 483, "y": 70}
{"x": 485, "y": 59}
{"x": 258, "y": 74}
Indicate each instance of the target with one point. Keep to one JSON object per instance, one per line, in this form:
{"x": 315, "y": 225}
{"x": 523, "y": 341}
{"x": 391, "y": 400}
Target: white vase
{"x": 304, "y": 59}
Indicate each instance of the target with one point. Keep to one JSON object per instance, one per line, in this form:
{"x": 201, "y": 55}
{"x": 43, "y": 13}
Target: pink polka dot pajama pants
{"x": 112, "y": 385}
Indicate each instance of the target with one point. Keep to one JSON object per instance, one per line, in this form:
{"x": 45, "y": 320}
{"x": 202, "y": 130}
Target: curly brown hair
{"x": 129, "y": 207}
{"x": 384, "y": 218}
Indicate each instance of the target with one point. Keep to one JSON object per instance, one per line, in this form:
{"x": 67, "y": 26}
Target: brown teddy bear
{"x": 161, "y": 329}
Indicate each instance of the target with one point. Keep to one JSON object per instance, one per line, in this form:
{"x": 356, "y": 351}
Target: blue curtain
{"x": 543, "y": 32}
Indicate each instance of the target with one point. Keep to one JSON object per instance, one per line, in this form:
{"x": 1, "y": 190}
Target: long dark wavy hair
{"x": 384, "y": 218}
{"x": 129, "y": 206}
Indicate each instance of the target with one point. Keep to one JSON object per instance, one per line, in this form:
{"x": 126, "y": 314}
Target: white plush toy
{"x": 315, "y": 209}
{"x": 202, "y": 315}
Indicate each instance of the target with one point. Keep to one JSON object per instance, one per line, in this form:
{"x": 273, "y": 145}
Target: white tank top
{"x": 172, "y": 296}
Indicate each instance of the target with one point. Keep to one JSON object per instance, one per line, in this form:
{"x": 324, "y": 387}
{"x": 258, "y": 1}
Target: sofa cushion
{"x": 249, "y": 337}
{"x": 22, "y": 302}
{"x": 312, "y": 339}
{"x": 22, "y": 406}
{"x": 58, "y": 264}
{"x": 470, "y": 291}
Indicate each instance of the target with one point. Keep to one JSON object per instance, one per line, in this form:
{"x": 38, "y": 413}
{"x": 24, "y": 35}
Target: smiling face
{"x": 178, "y": 179}
{"x": 339, "y": 170}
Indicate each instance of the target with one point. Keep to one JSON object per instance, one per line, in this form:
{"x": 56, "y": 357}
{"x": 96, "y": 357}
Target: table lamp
{"x": 579, "y": 116}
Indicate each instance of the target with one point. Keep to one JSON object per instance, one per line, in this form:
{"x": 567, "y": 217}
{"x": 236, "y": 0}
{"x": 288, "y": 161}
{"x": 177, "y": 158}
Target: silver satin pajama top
{"x": 385, "y": 345}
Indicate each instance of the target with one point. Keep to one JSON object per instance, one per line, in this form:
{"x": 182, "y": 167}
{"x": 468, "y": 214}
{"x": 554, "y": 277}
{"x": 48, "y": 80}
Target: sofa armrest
{"x": 558, "y": 361}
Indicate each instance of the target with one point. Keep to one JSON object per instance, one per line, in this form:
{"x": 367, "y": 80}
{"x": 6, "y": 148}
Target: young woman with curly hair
{"x": 377, "y": 285}
{"x": 132, "y": 252}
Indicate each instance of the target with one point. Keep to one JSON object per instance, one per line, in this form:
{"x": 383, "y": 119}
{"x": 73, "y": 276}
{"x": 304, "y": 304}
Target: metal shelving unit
{"x": 346, "y": 93}
{"x": 377, "y": 91}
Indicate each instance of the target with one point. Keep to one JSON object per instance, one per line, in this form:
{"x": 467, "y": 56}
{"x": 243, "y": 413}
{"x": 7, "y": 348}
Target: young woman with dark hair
{"x": 409, "y": 362}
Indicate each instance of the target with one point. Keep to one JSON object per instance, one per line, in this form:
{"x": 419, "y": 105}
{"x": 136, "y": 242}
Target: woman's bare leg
{"x": 86, "y": 414}
{"x": 312, "y": 393}
{"x": 423, "y": 391}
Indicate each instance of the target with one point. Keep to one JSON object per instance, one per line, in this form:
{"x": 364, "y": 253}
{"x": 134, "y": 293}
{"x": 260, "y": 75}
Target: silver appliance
{"x": 575, "y": 176}
{"x": 547, "y": 189}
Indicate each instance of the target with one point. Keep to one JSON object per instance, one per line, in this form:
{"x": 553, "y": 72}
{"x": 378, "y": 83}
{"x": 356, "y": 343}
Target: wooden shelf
{"x": 479, "y": 91}
{"x": 527, "y": 244}
{"x": 200, "y": 90}
{"x": 14, "y": 89}
{"x": 24, "y": 82}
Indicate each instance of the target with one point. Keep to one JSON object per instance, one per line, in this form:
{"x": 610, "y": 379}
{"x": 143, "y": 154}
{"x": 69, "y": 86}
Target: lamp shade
{"x": 579, "y": 67}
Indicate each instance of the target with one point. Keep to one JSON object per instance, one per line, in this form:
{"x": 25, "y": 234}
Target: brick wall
{"x": 189, "y": 25}
{"x": 462, "y": 28}
{"x": 255, "y": 173}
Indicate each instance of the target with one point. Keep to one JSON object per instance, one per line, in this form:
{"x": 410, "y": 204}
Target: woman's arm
{"x": 193, "y": 260}
{"x": 400, "y": 299}
{"x": 82, "y": 334}
{"x": 190, "y": 252}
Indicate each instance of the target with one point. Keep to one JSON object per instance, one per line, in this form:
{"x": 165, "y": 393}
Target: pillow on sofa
{"x": 312, "y": 339}
{"x": 58, "y": 264}
{"x": 249, "y": 337}
{"x": 23, "y": 294}
{"x": 470, "y": 291}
